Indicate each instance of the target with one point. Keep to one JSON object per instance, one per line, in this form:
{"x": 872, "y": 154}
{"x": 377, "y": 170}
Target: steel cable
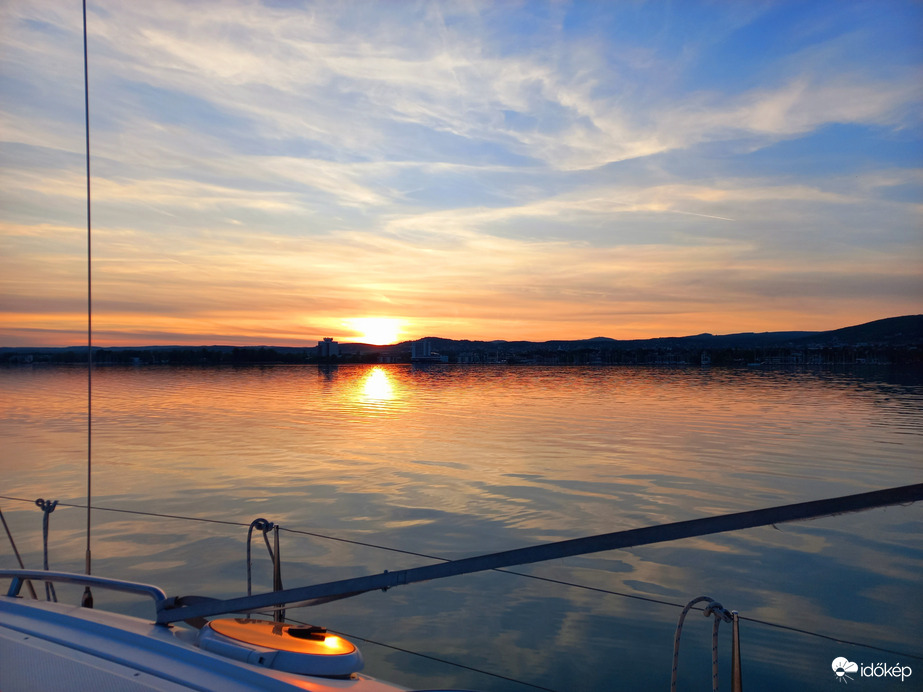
{"x": 647, "y": 599}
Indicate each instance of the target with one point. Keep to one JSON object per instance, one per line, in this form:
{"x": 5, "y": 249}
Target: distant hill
{"x": 903, "y": 333}
{"x": 906, "y": 330}
{"x": 895, "y": 331}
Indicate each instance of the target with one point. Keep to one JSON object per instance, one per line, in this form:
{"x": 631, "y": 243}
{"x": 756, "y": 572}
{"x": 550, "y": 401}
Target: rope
{"x": 265, "y": 526}
{"x": 720, "y": 613}
{"x": 766, "y": 623}
{"x": 275, "y": 555}
{"x": 47, "y": 507}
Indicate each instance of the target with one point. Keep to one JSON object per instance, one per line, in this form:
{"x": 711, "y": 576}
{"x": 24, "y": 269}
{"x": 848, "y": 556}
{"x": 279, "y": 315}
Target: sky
{"x": 277, "y": 172}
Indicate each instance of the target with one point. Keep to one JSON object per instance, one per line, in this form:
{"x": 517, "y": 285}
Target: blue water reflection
{"x": 450, "y": 461}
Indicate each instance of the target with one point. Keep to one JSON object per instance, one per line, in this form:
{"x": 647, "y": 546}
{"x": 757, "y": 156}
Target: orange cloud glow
{"x": 255, "y": 184}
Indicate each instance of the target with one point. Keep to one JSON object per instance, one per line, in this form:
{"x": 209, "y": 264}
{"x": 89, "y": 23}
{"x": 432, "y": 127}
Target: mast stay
{"x": 87, "y": 600}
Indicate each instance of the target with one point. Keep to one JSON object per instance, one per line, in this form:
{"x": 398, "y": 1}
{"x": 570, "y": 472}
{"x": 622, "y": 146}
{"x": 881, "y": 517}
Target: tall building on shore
{"x": 421, "y": 352}
{"x": 328, "y": 348}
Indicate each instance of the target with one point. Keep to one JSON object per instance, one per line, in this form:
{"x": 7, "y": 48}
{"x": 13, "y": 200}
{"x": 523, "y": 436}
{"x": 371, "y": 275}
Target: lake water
{"x": 453, "y": 461}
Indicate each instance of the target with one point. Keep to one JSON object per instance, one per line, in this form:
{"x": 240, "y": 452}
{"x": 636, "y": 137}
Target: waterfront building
{"x": 328, "y": 348}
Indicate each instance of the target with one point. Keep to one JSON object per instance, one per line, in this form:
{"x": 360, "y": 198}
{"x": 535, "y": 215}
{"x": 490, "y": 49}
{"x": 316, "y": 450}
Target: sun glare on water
{"x": 377, "y": 387}
{"x": 376, "y": 330}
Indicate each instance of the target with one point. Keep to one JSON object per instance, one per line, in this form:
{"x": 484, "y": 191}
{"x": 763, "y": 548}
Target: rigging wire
{"x": 648, "y": 599}
{"x": 432, "y": 658}
{"x": 87, "y": 600}
{"x": 16, "y": 552}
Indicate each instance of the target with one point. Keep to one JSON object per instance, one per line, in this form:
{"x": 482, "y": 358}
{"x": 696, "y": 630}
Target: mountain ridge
{"x": 905, "y": 330}
{"x": 902, "y": 331}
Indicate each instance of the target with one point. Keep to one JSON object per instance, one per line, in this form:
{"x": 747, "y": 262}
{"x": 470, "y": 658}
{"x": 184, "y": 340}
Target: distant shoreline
{"x": 891, "y": 341}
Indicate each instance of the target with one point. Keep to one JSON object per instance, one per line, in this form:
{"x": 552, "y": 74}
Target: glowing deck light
{"x": 273, "y": 635}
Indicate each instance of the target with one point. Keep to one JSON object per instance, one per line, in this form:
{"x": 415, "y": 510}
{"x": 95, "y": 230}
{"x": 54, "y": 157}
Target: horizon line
{"x": 486, "y": 341}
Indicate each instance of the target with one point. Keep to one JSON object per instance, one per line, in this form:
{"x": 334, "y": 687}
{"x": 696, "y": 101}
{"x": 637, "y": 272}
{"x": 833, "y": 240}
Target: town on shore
{"x": 892, "y": 341}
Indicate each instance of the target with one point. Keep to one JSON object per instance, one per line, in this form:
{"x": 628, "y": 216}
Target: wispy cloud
{"x": 476, "y": 168}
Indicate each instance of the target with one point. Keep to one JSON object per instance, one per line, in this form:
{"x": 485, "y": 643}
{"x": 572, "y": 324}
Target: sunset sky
{"x": 277, "y": 172}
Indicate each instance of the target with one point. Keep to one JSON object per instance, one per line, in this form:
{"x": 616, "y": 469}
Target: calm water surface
{"x": 452, "y": 461}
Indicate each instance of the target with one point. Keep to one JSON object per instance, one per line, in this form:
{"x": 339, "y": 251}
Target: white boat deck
{"x": 53, "y": 646}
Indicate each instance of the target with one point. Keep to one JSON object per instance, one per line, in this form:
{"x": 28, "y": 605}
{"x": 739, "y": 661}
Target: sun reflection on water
{"x": 377, "y": 388}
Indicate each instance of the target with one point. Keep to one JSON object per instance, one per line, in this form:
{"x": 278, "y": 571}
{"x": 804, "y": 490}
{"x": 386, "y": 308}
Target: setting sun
{"x": 376, "y": 330}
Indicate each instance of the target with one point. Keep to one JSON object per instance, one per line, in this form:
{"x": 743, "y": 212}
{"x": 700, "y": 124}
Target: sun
{"x": 376, "y": 330}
